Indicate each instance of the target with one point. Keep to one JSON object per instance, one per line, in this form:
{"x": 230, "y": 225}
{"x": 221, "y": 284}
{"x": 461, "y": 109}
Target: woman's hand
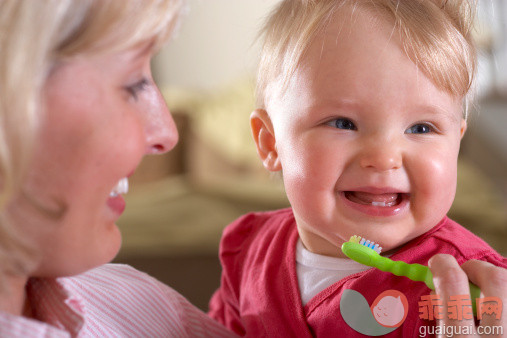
{"x": 450, "y": 279}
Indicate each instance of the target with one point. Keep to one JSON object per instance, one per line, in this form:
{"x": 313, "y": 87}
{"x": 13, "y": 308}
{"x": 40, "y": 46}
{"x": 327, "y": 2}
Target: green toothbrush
{"x": 368, "y": 253}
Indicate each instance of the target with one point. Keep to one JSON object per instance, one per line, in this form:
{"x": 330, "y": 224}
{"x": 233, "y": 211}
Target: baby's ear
{"x": 463, "y": 127}
{"x": 264, "y": 137}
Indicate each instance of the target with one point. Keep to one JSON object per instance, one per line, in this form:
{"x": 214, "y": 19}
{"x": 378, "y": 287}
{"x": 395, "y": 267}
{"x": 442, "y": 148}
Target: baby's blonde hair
{"x": 35, "y": 36}
{"x": 436, "y": 35}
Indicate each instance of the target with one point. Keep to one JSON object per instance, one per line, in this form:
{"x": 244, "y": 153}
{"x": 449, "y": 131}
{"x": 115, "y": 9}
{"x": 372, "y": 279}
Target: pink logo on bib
{"x": 390, "y": 308}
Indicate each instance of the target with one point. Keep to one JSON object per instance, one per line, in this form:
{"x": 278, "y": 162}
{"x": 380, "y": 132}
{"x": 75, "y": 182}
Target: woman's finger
{"x": 451, "y": 284}
{"x": 492, "y": 281}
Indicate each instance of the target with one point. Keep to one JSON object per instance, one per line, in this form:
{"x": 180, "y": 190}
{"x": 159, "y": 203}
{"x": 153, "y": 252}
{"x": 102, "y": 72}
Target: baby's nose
{"x": 381, "y": 155}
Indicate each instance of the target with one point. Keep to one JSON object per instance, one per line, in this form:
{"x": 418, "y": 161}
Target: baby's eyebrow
{"x": 334, "y": 103}
{"x": 453, "y": 116}
{"x": 322, "y": 105}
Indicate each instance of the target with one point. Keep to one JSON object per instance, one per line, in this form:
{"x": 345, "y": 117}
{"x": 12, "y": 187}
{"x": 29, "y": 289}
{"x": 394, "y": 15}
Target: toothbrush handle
{"x": 415, "y": 272}
{"x": 420, "y": 273}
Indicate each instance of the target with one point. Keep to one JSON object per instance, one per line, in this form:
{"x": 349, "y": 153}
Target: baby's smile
{"x": 377, "y": 200}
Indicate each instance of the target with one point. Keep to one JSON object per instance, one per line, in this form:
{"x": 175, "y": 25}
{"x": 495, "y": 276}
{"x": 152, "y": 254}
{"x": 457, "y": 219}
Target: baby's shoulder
{"x": 257, "y": 224}
{"x": 255, "y": 231}
{"x": 452, "y": 238}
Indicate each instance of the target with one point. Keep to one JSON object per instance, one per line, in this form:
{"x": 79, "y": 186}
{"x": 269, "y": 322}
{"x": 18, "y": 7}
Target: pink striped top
{"x": 109, "y": 301}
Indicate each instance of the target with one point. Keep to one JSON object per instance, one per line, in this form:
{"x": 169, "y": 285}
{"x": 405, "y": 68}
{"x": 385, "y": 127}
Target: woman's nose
{"x": 160, "y": 129}
{"x": 381, "y": 155}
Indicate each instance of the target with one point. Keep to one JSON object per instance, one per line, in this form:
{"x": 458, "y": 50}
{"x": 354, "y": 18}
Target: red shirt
{"x": 259, "y": 294}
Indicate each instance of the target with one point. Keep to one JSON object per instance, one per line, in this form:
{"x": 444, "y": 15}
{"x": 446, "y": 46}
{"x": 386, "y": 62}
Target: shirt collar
{"x": 53, "y": 303}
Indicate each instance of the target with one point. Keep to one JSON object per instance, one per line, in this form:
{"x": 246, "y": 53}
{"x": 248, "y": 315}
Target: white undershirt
{"x": 317, "y": 272}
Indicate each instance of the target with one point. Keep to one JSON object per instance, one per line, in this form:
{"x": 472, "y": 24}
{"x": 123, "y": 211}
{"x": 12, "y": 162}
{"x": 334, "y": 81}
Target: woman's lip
{"x": 116, "y": 204}
{"x": 372, "y": 210}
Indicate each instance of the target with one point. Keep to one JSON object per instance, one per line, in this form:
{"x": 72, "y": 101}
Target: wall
{"x": 215, "y": 45}
{"x": 492, "y": 38}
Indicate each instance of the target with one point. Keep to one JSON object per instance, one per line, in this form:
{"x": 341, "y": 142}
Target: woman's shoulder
{"x": 112, "y": 279}
{"x": 130, "y": 301}
{"x": 120, "y": 285}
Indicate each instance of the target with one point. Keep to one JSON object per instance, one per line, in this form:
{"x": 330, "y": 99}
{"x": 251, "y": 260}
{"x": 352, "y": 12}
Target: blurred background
{"x": 179, "y": 203}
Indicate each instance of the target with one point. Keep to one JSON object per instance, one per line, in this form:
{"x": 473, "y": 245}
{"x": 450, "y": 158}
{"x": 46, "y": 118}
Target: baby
{"x": 362, "y": 107}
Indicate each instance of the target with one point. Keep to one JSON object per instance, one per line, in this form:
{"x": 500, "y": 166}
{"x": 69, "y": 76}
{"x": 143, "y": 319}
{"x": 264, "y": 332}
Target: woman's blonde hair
{"x": 35, "y": 35}
{"x": 436, "y": 35}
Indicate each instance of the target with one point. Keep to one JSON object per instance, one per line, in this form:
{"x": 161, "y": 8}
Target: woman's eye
{"x": 420, "y": 128}
{"x": 342, "y": 123}
{"x": 137, "y": 87}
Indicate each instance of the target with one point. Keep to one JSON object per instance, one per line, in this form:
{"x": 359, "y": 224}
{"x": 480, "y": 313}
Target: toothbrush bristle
{"x": 355, "y": 239}
{"x": 367, "y": 243}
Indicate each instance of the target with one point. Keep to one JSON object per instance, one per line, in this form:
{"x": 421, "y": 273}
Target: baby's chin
{"x": 390, "y": 240}
{"x": 390, "y": 252}
{"x": 392, "y": 245}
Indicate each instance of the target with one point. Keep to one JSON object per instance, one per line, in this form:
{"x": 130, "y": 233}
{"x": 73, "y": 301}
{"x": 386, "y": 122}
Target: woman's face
{"x": 102, "y": 115}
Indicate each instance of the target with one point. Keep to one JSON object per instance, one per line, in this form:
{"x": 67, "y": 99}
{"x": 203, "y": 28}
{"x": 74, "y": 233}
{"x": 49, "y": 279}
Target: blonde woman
{"x": 78, "y": 111}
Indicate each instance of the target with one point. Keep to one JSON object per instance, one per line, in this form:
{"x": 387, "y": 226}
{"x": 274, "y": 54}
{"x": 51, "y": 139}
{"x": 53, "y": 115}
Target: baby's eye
{"x": 342, "y": 123}
{"x": 420, "y": 128}
{"x": 137, "y": 87}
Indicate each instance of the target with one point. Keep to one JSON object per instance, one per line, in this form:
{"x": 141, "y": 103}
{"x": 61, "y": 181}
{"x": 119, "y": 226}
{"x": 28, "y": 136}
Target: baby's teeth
{"x": 122, "y": 187}
{"x": 378, "y": 204}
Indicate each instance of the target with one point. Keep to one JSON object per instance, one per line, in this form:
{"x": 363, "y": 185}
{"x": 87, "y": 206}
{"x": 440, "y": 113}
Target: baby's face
{"x": 367, "y": 144}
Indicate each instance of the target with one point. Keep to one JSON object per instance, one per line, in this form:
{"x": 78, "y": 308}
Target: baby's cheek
{"x": 302, "y": 193}
{"x": 308, "y": 174}
{"x": 435, "y": 187}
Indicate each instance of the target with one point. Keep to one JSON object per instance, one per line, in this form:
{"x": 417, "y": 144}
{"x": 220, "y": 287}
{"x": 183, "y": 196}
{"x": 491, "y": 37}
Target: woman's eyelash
{"x": 137, "y": 87}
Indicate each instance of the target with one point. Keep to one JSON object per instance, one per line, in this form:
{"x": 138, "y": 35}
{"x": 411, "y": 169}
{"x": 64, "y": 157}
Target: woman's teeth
{"x": 122, "y": 187}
